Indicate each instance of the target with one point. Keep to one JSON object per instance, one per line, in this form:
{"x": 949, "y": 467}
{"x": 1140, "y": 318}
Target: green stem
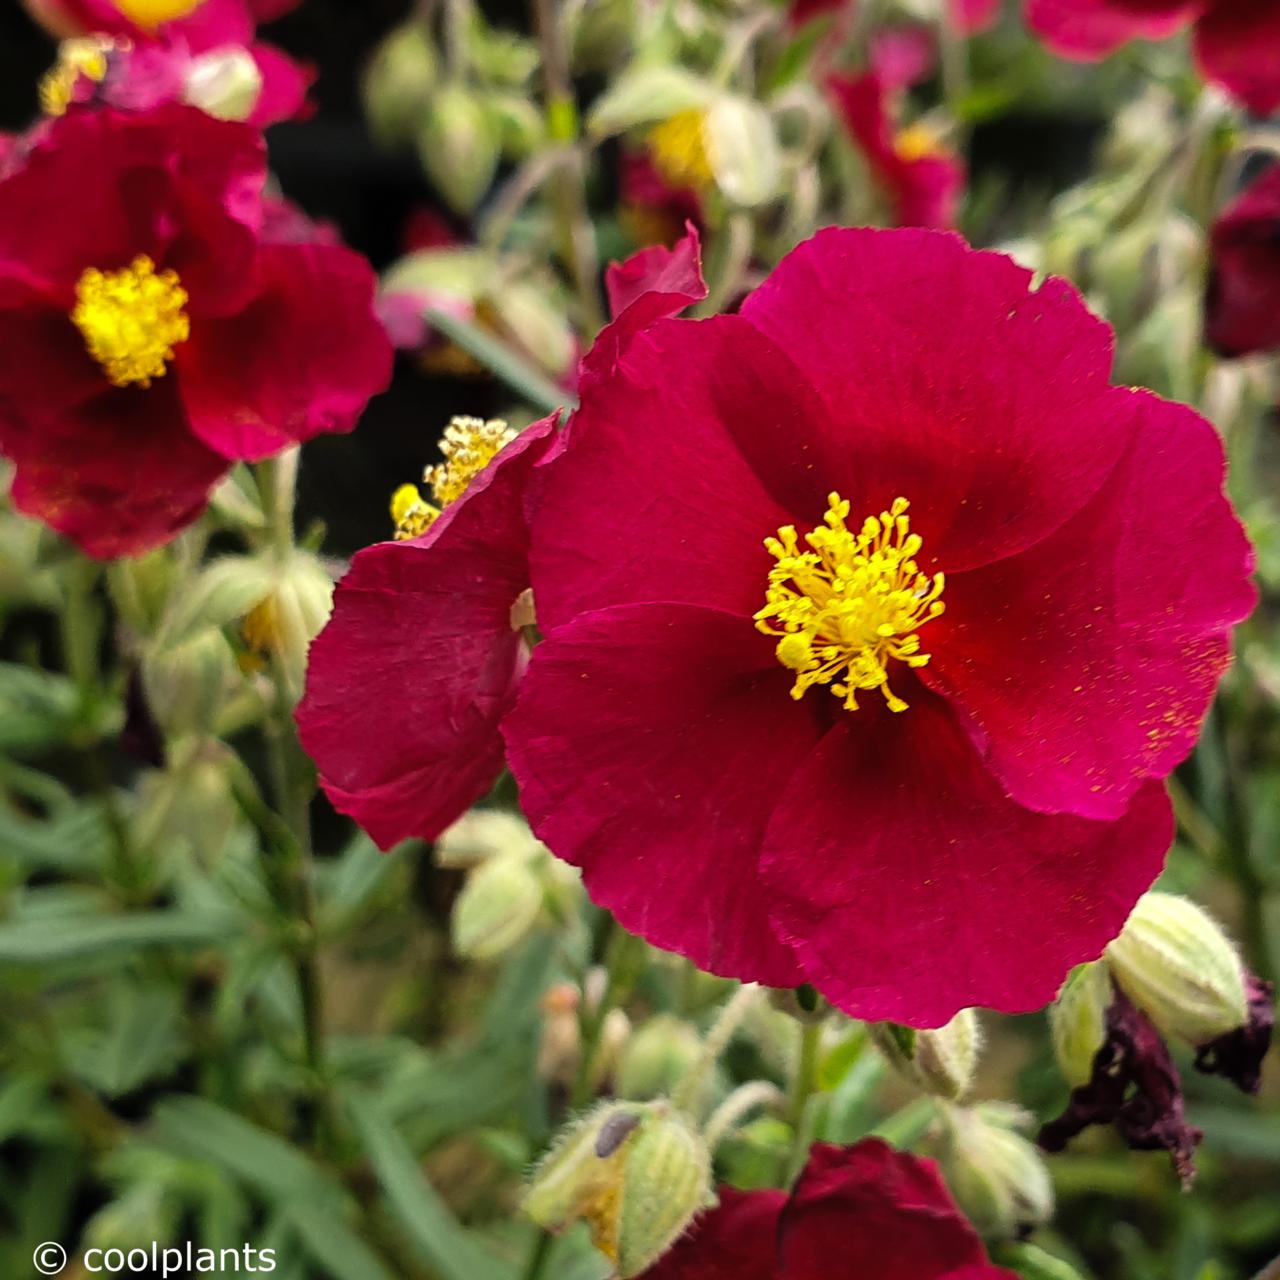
{"x": 805, "y": 1082}
{"x": 688, "y": 1093}
{"x": 575, "y": 231}
{"x": 620, "y": 950}
{"x": 538, "y": 1255}
{"x": 953, "y": 50}
{"x": 734, "y": 247}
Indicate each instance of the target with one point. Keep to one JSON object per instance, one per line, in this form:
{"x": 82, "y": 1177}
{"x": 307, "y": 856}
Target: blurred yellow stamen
{"x": 851, "y": 603}
{"x": 468, "y": 446}
{"x": 916, "y": 142}
{"x": 132, "y": 320}
{"x": 154, "y": 13}
{"x": 84, "y": 56}
{"x": 678, "y": 148}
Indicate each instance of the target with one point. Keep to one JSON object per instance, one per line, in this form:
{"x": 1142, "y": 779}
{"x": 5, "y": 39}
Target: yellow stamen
{"x": 916, "y": 142}
{"x": 132, "y": 320}
{"x": 154, "y": 13}
{"x": 84, "y": 56}
{"x": 851, "y": 603}
{"x": 468, "y": 446}
{"x": 678, "y": 148}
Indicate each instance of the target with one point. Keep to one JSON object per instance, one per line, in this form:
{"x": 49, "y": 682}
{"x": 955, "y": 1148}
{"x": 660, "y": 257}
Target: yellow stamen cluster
{"x": 154, "y": 13}
{"x": 132, "y": 320}
{"x": 468, "y": 446}
{"x": 678, "y": 148}
{"x": 916, "y": 142}
{"x": 851, "y": 603}
{"x": 83, "y": 56}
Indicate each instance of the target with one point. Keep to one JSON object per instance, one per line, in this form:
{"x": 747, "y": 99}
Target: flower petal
{"x": 1238, "y": 47}
{"x": 1243, "y": 306}
{"x": 680, "y": 465}
{"x": 733, "y": 1241}
{"x": 1086, "y": 664}
{"x": 408, "y": 681}
{"x": 1091, "y": 29}
{"x": 892, "y": 843}
{"x": 650, "y": 743}
{"x": 955, "y": 384}
{"x": 304, "y": 357}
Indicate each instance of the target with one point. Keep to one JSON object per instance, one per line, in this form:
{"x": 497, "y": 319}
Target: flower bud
{"x": 645, "y": 95}
{"x": 284, "y": 623}
{"x": 1180, "y": 969}
{"x": 225, "y": 83}
{"x": 997, "y": 1176}
{"x": 635, "y": 1173}
{"x": 186, "y": 685}
{"x": 601, "y": 33}
{"x": 458, "y": 144}
{"x": 1078, "y": 1021}
{"x": 742, "y": 149}
{"x": 398, "y": 85}
{"x": 941, "y": 1061}
{"x": 658, "y": 1056}
{"x": 496, "y": 909}
{"x": 482, "y": 834}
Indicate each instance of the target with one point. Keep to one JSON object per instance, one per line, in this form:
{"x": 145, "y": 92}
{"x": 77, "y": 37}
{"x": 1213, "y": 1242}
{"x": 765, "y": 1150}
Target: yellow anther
{"x": 83, "y": 56}
{"x": 154, "y": 13}
{"x": 678, "y": 148}
{"x": 845, "y": 604}
{"x": 916, "y": 142}
{"x": 468, "y": 446}
{"x": 132, "y": 320}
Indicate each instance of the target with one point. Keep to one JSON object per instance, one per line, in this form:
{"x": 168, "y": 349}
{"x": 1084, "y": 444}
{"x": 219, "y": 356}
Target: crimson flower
{"x": 857, "y": 1213}
{"x": 409, "y": 682}
{"x": 1243, "y": 309}
{"x": 969, "y": 15}
{"x": 1237, "y": 42}
{"x": 151, "y": 330}
{"x": 900, "y": 476}
{"x": 654, "y": 211}
{"x": 164, "y": 35}
{"x": 922, "y": 180}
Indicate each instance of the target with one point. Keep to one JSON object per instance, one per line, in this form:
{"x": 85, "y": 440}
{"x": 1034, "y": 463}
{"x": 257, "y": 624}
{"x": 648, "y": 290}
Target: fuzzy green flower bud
{"x": 398, "y": 85}
{"x": 496, "y": 909}
{"x": 1178, "y": 966}
{"x": 658, "y": 1056}
{"x": 637, "y": 1174}
{"x": 482, "y": 834}
{"x": 459, "y": 145}
{"x": 997, "y": 1176}
{"x": 1078, "y": 1021}
{"x": 941, "y": 1062}
{"x": 225, "y": 83}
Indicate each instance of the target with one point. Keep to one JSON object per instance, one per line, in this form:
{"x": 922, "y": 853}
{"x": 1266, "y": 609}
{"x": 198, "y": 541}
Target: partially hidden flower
{"x": 204, "y": 52}
{"x": 421, "y": 662}
{"x": 900, "y": 476}
{"x": 866, "y": 1212}
{"x": 653, "y": 210}
{"x": 921, "y": 178}
{"x": 1243, "y": 306}
{"x": 151, "y": 331}
{"x": 1237, "y": 42}
{"x": 969, "y": 16}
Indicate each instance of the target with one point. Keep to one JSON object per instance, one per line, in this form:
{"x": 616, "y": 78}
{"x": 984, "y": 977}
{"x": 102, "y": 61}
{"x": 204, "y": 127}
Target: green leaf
{"x": 74, "y": 840}
{"x": 34, "y": 942}
{"x": 142, "y": 1039}
{"x": 38, "y": 710}
{"x": 435, "y": 1233}
{"x": 333, "y": 1246}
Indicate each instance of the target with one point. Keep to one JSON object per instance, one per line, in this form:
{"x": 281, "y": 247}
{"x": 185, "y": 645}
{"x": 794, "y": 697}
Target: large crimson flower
{"x": 410, "y": 680}
{"x": 152, "y": 331}
{"x": 161, "y": 34}
{"x": 1243, "y": 308}
{"x": 978, "y": 807}
{"x": 857, "y": 1213}
{"x": 1237, "y": 42}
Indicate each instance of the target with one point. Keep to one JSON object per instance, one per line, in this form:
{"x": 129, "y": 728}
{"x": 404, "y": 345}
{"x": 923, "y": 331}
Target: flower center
{"x": 132, "y": 320}
{"x": 86, "y": 56}
{"x": 678, "y": 148}
{"x": 916, "y": 142}
{"x": 851, "y": 603}
{"x": 468, "y": 446}
{"x": 153, "y": 13}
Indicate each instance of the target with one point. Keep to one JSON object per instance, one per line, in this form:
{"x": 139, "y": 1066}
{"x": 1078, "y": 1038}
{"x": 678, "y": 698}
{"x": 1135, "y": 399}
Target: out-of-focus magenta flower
{"x": 151, "y": 330}
{"x": 654, "y": 211}
{"x": 1021, "y": 646}
{"x": 159, "y": 42}
{"x": 408, "y": 684}
{"x": 1237, "y": 42}
{"x": 922, "y": 180}
{"x": 1243, "y": 308}
{"x": 857, "y": 1213}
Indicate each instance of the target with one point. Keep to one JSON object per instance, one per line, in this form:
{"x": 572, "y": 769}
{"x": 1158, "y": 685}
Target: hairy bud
{"x": 941, "y": 1062}
{"x": 1078, "y": 1020}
